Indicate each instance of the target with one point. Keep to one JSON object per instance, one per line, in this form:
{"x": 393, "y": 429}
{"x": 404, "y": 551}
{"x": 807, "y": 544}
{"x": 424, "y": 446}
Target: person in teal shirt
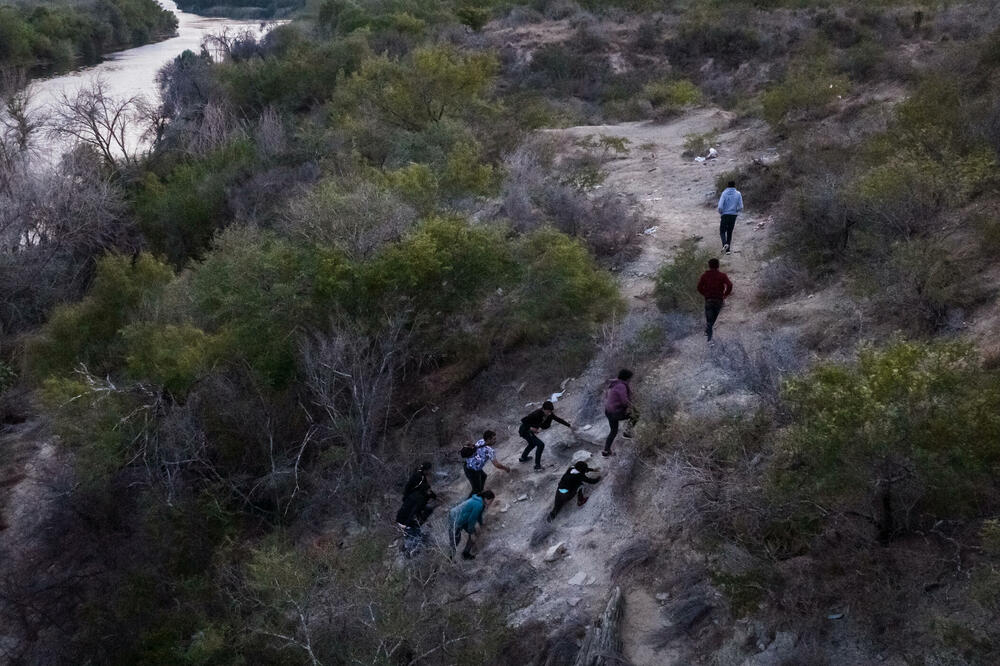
{"x": 465, "y": 517}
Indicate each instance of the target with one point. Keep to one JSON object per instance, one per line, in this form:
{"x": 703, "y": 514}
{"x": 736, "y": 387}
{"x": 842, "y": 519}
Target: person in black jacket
{"x": 417, "y": 508}
{"x": 540, "y": 419}
{"x": 569, "y": 485}
{"x": 419, "y": 480}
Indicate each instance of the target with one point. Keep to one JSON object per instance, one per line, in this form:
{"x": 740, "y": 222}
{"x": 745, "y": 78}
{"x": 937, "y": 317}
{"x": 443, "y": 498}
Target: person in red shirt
{"x": 715, "y": 286}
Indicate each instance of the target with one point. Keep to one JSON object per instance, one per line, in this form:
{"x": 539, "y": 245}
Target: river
{"x": 131, "y": 72}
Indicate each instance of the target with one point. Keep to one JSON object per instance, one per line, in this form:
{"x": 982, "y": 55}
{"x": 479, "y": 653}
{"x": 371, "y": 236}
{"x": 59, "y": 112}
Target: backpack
{"x": 470, "y": 450}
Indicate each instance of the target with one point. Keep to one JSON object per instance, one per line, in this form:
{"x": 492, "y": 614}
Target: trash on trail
{"x": 699, "y": 159}
{"x": 555, "y": 396}
{"x": 834, "y": 616}
{"x": 587, "y": 427}
{"x": 505, "y": 508}
{"x": 555, "y": 552}
{"x": 712, "y": 154}
{"x": 562, "y": 387}
{"x": 650, "y": 231}
{"x": 579, "y": 579}
{"x": 522, "y": 498}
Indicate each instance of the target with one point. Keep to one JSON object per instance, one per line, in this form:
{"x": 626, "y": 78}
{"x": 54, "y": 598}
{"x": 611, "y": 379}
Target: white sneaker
{"x": 725, "y": 248}
{"x": 728, "y": 251}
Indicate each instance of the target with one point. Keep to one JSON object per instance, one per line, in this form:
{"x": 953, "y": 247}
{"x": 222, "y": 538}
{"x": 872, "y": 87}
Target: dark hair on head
{"x": 713, "y": 263}
{"x": 624, "y": 374}
{"x": 582, "y": 466}
{"x": 425, "y": 465}
{"x": 548, "y": 405}
{"x": 487, "y": 494}
{"x": 489, "y": 434}
{"x": 732, "y": 183}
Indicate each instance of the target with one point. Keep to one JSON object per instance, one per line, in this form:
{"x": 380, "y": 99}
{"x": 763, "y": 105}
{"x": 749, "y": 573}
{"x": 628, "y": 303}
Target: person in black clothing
{"x": 417, "y": 508}
{"x": 569, "y": 485}
{"x": 540, "y": 419}
{"x": 419, "y": 480}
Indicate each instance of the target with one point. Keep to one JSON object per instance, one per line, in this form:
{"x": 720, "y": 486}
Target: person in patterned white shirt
{"x": 475, "y": 463}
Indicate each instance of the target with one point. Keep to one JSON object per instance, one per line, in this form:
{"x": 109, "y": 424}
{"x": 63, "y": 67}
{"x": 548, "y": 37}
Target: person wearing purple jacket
{"x": 617, "y": 407}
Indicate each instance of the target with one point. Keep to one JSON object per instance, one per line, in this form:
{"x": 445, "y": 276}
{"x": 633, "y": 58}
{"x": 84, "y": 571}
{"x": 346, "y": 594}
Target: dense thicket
{"x": 54, "y": 36}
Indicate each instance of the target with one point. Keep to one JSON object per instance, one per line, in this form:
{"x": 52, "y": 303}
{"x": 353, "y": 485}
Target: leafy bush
{"x": 762, "y": 184}
{"x": 252, "y": 292}
{"x": 676, "y": 281}
{"x": 671, "y": 97}
{"x": 562, "y": 288}
{"x": 432, "y": 84}
{"x": 713, "y": 36}
{"x": 170, "y": 356}
{"x": 698, "y": 144}
{"x": 803, "y": 94}
{"x": 912, "y": 433}
{"x": 180, "y": 212}
{"x": 89, "y": 332}
{"x": 929, "y": 291}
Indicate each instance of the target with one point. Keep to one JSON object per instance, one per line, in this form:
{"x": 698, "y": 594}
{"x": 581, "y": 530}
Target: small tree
{"x": 911, "y": 431}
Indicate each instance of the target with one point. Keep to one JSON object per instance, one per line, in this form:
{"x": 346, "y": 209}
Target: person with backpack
{"x": 464, "y": 518}
{"x": 476, "y": 458}
{"x": 730, "y": 206}
{"x": 419, "y": 480}
{"x": 540, "y": 419}
{"x": 715, "y": 286}
{"x": 618, "y": 407}
{"x": 570, "y": 486}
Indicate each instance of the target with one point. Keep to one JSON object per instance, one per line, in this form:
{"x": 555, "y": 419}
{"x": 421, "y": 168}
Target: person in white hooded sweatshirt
{"x": 730, "y": 206}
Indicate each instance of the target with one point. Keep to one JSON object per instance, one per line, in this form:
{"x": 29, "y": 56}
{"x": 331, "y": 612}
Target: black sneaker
{"x": 607, "y": 453}
{"x": 468, "y": 556}
{"x": 538, "y": 468}
{"x": 626, "y": 435}
{"x": 523, "y": 459}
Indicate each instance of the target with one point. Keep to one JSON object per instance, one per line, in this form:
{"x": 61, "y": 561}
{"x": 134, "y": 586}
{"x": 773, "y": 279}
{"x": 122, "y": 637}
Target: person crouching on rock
{"x": 569, "y": 485}
{"x": 540, "y": 419}
{"x": 464, "y": 518}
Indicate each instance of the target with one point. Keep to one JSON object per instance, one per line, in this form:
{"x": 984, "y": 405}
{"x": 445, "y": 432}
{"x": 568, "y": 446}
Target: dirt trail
{"x": 679, "y": 195}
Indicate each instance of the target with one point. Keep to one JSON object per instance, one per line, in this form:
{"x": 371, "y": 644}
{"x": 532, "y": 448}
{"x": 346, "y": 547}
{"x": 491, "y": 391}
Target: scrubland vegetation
{"x": 47, "y": 37}
{"x": 239, "y": 338}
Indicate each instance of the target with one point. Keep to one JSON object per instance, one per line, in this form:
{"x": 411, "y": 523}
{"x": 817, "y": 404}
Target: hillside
{"x": 390, "y": 226}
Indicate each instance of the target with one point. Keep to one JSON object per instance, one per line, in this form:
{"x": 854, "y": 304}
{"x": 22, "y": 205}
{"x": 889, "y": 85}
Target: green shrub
{"x": 179, "y": 213}
{"x": 676, "y": 281}
{"x": 434, "y": 83}
{"x": 253, "y": 292}
{"x": 170, "y": 356}
{"x": 910, "y": 433}
{"x": 671, "y": 97}
{"x": 97, "y": 422}
{"x": 89, "y": 332}
{"x": 699, "y": 143}
{"x": 562, "y": 289}
{"x": 442, "y": 266}
{"x": 763, "y": 184}
{"x": 927, "y": 285}
{"x": 805, "y": 93}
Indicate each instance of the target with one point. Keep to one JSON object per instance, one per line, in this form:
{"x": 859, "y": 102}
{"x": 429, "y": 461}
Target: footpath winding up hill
{"x": 637, "y": 507}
